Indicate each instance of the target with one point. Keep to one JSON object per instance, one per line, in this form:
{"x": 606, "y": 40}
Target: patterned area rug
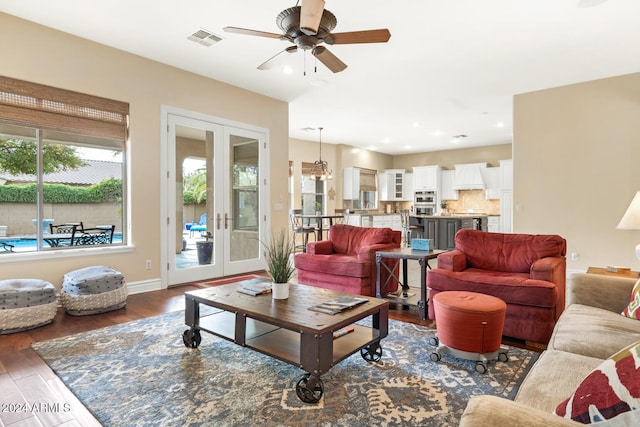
{"x": 141, "y": 374}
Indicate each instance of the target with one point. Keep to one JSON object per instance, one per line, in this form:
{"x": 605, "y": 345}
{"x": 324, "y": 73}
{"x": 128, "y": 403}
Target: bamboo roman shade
{"x": 367, "y": 179}
{"x": 45, "y": 107}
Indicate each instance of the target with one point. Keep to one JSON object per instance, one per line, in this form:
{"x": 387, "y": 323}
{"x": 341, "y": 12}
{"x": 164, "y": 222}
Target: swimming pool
{"x": 20, "y": 245}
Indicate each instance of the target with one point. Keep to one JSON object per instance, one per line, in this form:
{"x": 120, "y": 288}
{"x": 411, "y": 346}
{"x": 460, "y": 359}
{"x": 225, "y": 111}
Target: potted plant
{"x": 279, "y": 267}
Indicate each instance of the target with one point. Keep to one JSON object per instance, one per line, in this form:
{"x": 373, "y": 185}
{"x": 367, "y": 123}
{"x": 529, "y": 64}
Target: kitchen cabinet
{"x": 493, "y": 225}
{"x": 392, "y": 186}
{"x": 426, "y": 178}
{"x": 448, "y": 229}
{"x": 492, "y": 181}
{"x": 391, "y": 221}
{"x": 432, "y": 230}
{"x": 448, "y": 193}
{"x": 506, "y": 211}
{"x": 506, "y": 174}
{"x": 351, "y": 183}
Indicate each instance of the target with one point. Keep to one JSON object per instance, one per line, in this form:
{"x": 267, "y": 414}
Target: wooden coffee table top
{"x": 292, "y": 313}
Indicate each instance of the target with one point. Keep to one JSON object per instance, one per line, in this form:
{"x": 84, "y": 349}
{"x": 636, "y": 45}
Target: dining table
{"x": 320, "y": 220}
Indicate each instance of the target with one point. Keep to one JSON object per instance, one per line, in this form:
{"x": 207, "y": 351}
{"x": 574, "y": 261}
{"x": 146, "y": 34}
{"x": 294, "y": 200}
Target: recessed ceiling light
{"x": 500, "y": 124}
{"x": 287, "y": 70}
{"x": 386, "y": 140}
{"x": 437, "y": 133}
{"x": 416, "y": 124}
{"x": 372, "y": 148}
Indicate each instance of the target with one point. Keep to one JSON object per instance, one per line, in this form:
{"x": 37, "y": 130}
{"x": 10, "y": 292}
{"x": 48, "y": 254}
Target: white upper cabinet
{"x": 392, "y": 185}
{"x": 492, "y": 180}
{"x": 448, "y": 193}
{"x": 351, "y": 183}
{"x": 426, "y": 178}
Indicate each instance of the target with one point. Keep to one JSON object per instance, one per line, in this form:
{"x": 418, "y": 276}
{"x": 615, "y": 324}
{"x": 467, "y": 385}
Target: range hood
{"x": 469, "y": 177}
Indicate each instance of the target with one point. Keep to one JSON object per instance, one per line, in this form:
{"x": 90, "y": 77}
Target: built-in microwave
{"x": 424, "y": 197}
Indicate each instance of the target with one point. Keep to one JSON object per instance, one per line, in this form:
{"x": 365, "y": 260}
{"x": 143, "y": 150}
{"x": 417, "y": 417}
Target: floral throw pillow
{"x": 633, "y": 309}
{"x": 610, "y": 390}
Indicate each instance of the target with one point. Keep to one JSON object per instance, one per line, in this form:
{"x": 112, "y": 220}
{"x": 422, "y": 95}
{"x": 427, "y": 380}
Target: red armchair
{"x": 526, "y": 271}
{"x": 346, "y": 262}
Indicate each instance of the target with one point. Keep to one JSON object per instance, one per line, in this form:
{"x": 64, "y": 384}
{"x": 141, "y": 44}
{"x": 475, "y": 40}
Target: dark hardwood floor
{"x": 24, "y": 376}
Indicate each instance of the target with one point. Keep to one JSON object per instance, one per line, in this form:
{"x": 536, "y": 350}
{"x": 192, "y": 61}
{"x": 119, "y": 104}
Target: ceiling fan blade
{"x": 328, "y": 59}
{"x": 247, "y": 32}
{"x": 367, "y": 36}
{"x": 274, "y": 60}
{"x": 310, "y": 16}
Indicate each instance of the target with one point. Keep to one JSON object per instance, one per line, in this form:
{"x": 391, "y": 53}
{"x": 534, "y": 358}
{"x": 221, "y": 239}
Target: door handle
{"x": 218, "y": 219}
{"x": 226, "y": 220}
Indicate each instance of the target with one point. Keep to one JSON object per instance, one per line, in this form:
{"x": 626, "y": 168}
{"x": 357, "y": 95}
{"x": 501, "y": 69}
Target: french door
{"x": 216, "y": 198}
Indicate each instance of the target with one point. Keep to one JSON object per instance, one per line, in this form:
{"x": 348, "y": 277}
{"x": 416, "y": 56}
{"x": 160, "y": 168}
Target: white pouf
{"x": 93, "y": 290}
{"x": 26, "y": 304}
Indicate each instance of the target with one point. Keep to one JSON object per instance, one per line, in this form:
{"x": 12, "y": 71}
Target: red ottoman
{"x": 469, "y": 326}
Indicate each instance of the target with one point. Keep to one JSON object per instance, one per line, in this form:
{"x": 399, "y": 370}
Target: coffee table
{"x": 287, "y": 330}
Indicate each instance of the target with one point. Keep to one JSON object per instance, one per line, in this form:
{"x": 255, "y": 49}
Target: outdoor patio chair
{"x": 6, "y": 246}
{"x": 100, "y": 235}
{"x": 201, "y": 226}
{"x": 66, "y": 228}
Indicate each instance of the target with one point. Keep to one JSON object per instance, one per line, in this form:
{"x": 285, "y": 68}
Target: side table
{"x": 406, "y": 254}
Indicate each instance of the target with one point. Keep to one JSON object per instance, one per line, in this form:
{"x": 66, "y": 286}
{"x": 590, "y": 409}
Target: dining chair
{"x": 298, "y": 227}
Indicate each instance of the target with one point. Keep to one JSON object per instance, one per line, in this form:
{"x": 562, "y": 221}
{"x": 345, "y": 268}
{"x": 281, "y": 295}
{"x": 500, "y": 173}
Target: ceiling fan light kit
{"x": 308, "y": 26}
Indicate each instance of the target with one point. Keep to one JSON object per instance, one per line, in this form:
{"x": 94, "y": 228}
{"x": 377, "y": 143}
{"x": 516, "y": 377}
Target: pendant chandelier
{"x": 320, "y": 168}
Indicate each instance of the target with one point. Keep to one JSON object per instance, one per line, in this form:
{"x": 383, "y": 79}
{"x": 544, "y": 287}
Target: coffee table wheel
{"x": 371, "y": 353}
{"x": 434, "y": 341}
{"x": 481, "y": 367}
{"x": 191, "y": 339}
{"x": 435, "y": 357}
{"x": 309, "y": 389}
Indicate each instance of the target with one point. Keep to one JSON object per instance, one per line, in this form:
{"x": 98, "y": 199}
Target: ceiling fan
{"x": 307, "y": 27}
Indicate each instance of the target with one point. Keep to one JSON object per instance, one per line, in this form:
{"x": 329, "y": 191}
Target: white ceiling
{"x": 451, "y": 67}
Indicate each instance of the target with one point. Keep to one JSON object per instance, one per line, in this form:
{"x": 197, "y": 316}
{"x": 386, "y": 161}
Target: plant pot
{"x": 280, "y": 290}
{"x": 205, "y": 250}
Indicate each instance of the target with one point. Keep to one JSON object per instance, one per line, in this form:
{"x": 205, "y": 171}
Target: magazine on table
{"x": 338, "y": 305}
{"x": 255, "y": 287}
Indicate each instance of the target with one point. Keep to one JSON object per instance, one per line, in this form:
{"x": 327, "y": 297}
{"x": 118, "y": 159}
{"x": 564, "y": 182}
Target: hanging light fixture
{"x": 320, "y": 168}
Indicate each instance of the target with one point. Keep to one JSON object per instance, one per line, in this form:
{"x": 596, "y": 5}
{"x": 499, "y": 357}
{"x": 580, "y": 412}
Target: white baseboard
{"x": 144, "y": 286}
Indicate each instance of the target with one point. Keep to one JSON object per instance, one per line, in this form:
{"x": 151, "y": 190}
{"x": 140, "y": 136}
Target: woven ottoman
{"x": 26, "y": 304}
{"x": 469, "y": 326}
{"x": 93, "y": 290}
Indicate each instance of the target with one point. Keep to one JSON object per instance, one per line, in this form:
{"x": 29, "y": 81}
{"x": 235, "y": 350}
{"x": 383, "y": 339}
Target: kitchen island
{"x": 442, "y": 229}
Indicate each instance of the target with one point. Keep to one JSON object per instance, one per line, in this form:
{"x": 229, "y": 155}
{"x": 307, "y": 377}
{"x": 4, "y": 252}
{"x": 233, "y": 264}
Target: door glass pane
{"x": 245, "y": 211}
{"x": 194, "y": 198}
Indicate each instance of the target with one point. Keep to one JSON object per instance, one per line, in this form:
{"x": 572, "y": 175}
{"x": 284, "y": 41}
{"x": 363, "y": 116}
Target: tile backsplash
{"x": 475, "y": 200}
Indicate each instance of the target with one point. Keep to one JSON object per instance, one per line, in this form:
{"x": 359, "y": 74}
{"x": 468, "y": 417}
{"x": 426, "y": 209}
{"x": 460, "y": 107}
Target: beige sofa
{"x": 590, "y": 330}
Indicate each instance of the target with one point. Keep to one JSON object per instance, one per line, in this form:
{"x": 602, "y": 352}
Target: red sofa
{"x": 346, "y": 262}
{"x": 526, "y": 271}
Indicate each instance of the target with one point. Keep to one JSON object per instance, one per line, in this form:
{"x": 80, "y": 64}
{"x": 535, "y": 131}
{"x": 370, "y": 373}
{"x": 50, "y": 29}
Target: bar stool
{"x": 409, "y": 229}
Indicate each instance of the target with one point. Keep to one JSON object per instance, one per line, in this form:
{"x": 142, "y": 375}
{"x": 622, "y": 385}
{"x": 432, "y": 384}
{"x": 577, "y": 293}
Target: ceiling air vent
{"x": 204, "y": 37}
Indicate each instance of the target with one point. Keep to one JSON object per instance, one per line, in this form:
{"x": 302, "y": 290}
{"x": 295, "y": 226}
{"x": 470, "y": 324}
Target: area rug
{"x": 141, "y": 374}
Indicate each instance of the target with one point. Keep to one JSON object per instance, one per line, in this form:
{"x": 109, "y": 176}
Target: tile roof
{"x": 93, "y": 172}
